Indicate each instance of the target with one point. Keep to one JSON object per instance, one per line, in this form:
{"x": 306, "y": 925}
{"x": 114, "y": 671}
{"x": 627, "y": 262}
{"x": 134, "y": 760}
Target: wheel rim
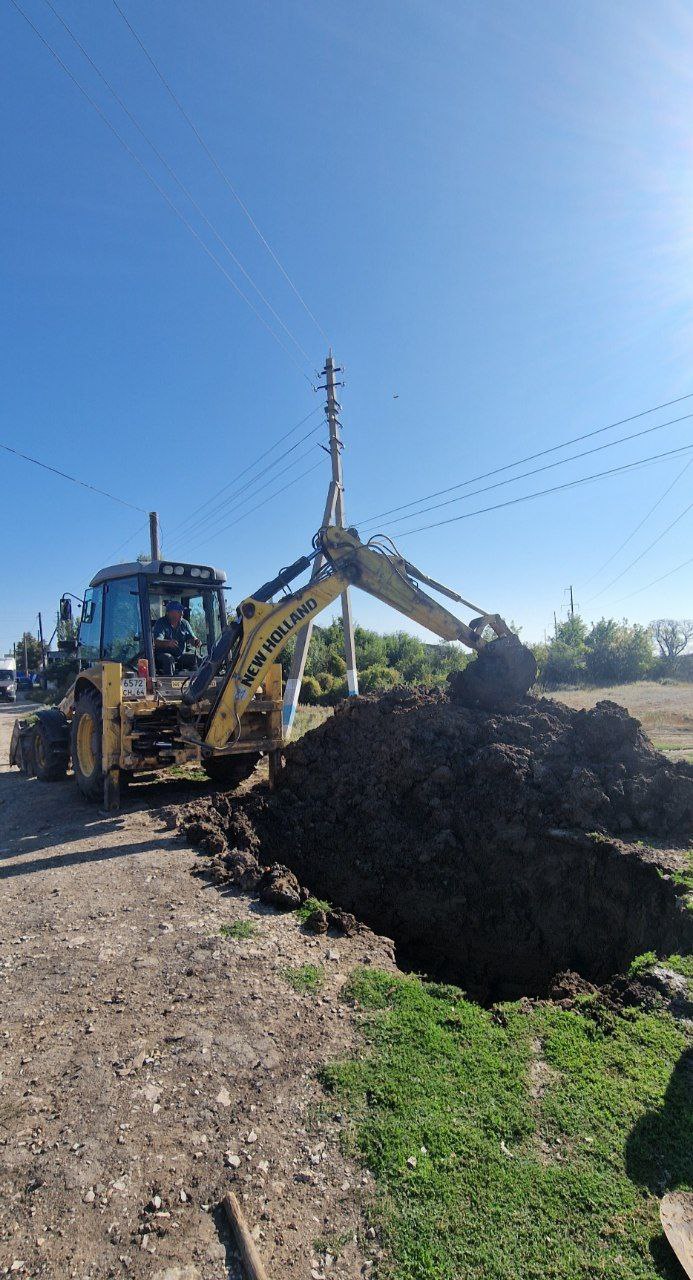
{"x": 86, "y": 754}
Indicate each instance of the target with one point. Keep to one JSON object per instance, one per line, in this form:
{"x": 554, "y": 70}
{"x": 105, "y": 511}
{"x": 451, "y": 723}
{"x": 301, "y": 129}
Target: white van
{"x": 8, "y": 679}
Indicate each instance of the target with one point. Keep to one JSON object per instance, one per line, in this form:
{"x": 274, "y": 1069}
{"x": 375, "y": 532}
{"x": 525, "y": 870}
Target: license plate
{"x": 134, "y": 687}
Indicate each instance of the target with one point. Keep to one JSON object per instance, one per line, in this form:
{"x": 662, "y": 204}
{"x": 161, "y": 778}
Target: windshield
{"x": 6, "y": 675}
{"x": 201, "y": 608}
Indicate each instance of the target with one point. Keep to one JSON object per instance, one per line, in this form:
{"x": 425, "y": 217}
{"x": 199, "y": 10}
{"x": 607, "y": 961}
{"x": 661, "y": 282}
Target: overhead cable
{"x": 248, "y": 484}
{"x": 570, "y": 484}
{"x": 205, "y": 147}
{"x": 548, "y": 466}
{"x": 180, "y": 184}
{"x": 531, "y": 457}
{"x": 642, "y": 553}
{"x": 270, "y": 498}
{"x": 65, "y": 476}
{"x": 164, "y": 195}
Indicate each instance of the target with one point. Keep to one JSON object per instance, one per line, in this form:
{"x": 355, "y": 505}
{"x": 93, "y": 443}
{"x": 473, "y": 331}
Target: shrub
{"x": 377, "y": 678}
{"x": 311, "y": 693}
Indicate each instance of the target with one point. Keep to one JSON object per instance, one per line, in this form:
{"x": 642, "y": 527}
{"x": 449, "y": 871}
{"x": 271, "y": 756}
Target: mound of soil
{"x": 489, "y": 845}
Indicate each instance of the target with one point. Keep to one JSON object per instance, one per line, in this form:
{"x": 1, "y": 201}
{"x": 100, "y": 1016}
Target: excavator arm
{"x": 263, "y": 627}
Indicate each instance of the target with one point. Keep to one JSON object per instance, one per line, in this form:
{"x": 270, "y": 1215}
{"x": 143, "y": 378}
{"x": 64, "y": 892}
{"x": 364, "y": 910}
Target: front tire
{"x": 230, "y": 771}
{"x": 86, "y": 742}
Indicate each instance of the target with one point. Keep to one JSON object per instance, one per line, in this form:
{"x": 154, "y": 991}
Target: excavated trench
{"x": 497, "y": 849}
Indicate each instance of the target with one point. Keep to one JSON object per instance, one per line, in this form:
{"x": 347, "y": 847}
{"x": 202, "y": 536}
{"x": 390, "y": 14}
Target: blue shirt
{"x": 162, "y": 630}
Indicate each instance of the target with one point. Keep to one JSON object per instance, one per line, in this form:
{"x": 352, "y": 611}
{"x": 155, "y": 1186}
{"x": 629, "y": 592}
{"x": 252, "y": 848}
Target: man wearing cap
{"x": 171, "y": 634}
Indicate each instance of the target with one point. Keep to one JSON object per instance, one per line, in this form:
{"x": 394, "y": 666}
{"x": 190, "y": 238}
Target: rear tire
{"x": 86, "y": 744}
{"x": 50, "y": 758}
{"x": 230, "y": 771}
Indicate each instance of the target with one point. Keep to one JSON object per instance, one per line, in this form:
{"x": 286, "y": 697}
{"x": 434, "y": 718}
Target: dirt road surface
{"x": 148, "y": 1063}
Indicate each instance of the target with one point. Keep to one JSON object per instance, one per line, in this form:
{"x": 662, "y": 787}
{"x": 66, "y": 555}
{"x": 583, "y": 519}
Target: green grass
{"x": 239, "y": 929}
{"x": 309, "y": 906}
{"x": 190, "y": 772}
{"x": 307, "y": 979}
{"x": 552, "y": 1180}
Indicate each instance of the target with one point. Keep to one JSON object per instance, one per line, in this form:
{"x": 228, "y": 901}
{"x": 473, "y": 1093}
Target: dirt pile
{"x": 490, "y": 846}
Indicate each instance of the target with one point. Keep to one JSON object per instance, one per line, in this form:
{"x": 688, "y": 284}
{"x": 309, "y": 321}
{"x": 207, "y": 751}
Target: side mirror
{"x": 65, "y": 609}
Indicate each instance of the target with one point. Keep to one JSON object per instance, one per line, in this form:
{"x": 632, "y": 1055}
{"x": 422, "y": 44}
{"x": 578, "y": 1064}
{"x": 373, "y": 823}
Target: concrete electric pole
{"x": 334, "y": 514}
{"x": 154, "y": 535}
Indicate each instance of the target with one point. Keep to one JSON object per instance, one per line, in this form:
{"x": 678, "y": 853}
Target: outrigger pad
{"x": 502, "y": 674}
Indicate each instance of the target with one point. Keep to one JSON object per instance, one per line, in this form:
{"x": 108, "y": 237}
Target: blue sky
{"x": 488, "y": 209}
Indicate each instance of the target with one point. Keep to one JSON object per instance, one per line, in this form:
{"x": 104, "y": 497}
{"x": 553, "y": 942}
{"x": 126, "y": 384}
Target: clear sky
{"x": 487, "y": 206}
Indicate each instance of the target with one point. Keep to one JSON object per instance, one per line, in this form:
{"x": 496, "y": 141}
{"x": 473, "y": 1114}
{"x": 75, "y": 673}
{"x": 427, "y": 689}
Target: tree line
{"x": 605, "y": 652}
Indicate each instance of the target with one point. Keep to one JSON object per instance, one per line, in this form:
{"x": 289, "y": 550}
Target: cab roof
{"x": 161, "y": 569}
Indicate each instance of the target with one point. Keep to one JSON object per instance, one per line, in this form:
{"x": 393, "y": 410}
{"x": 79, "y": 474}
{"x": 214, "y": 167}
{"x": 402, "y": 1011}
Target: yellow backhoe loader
{"x": 123, "y": 716}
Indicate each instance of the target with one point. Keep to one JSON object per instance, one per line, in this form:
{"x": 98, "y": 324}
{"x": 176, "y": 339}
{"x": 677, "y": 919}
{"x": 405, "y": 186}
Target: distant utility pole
{"x": 572, "y": 606}
{"x": 43, "y": 652}
{"x": 26, "y": 657}
{"x": 334, "y": 514}
{"x": 155, "y": 535}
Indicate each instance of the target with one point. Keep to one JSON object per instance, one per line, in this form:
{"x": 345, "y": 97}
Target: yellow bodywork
{"x": 239, "y": 711}
{"x": 266, "y": 628}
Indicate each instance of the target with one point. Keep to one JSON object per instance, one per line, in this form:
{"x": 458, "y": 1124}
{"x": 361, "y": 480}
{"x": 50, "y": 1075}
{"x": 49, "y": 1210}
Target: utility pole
{"x": 333, "y": 514}
{"x": 26, "y": 657}
{"x": 155, "y": 535}
{"x": 43, "y": 652}
{"x": 572, "y": 606}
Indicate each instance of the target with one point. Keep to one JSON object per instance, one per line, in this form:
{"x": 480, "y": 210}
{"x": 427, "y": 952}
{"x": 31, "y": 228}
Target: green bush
{"x": 311, "y": 693}
{"x": 335, "y": 693}
{"x": 377, "y": 678}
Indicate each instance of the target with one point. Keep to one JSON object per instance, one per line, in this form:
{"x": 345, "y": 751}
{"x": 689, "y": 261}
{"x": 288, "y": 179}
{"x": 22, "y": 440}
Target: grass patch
{"x": 308, "y": 979}
{"x": 239, "y": 929}
{"x": 191, "y": 773}
{"x": 482, "y": 1174}
{"x": 332, "y": 1244}
{"x": 309, "y": 906}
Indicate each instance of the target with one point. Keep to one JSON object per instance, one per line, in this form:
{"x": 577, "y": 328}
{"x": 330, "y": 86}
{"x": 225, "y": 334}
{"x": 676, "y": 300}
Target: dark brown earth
{"x": 497, "y": 849}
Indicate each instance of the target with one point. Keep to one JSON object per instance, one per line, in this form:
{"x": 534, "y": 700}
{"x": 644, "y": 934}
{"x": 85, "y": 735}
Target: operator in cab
{"x": 172, "y": 636}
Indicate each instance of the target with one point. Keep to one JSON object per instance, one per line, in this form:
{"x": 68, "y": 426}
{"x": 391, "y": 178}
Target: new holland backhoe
{"x": 122, "y": 716}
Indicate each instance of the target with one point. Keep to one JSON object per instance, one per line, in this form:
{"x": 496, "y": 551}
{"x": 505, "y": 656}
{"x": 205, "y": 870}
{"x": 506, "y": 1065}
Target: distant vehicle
{"x": 8, "y": 679}
{"x": 24, "y": 681}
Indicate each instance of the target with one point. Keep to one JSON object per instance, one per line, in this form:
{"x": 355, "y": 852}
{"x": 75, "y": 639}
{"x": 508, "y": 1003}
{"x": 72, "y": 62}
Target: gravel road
{"x": 148, "y": 1063}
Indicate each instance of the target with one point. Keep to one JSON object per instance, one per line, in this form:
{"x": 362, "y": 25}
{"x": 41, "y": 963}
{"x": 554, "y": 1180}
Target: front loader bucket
{"x": 501, "y": 675}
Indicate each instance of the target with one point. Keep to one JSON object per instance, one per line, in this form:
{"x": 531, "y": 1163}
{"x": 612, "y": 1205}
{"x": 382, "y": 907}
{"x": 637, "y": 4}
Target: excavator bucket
{"x": 503, "y": 673}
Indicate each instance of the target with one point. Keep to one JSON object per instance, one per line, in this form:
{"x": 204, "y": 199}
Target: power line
{"x": 210, "y": 528}
{"x": 571, "y": 484}
{"x": 248, "y": 483}
{"x": 133, "y": 154}
{"x": 548, "y": 466}
{"x": 126, "y": 542}
{"x": 268, "y": 499}
{"x": 642, "y": 553}
{"x": 485, "y": 475}
{"x": 65, "y": 476}
{"x": 639, "y": 526}
{"x": 219, "y": 169}
{"x": 655, "y": 581}
{"x": 186, "y": 191}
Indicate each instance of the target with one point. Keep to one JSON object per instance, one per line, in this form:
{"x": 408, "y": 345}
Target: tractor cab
{"x": 123, "y": 604}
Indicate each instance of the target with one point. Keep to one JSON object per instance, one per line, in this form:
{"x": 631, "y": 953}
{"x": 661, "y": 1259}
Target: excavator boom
{"x": 263, "y": 627}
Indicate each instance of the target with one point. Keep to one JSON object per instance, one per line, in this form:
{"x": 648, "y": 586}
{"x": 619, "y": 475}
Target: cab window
{"x": 90, "y": 626}
{"x": 122, "y": 633}
{"x": 201, "y": 608}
